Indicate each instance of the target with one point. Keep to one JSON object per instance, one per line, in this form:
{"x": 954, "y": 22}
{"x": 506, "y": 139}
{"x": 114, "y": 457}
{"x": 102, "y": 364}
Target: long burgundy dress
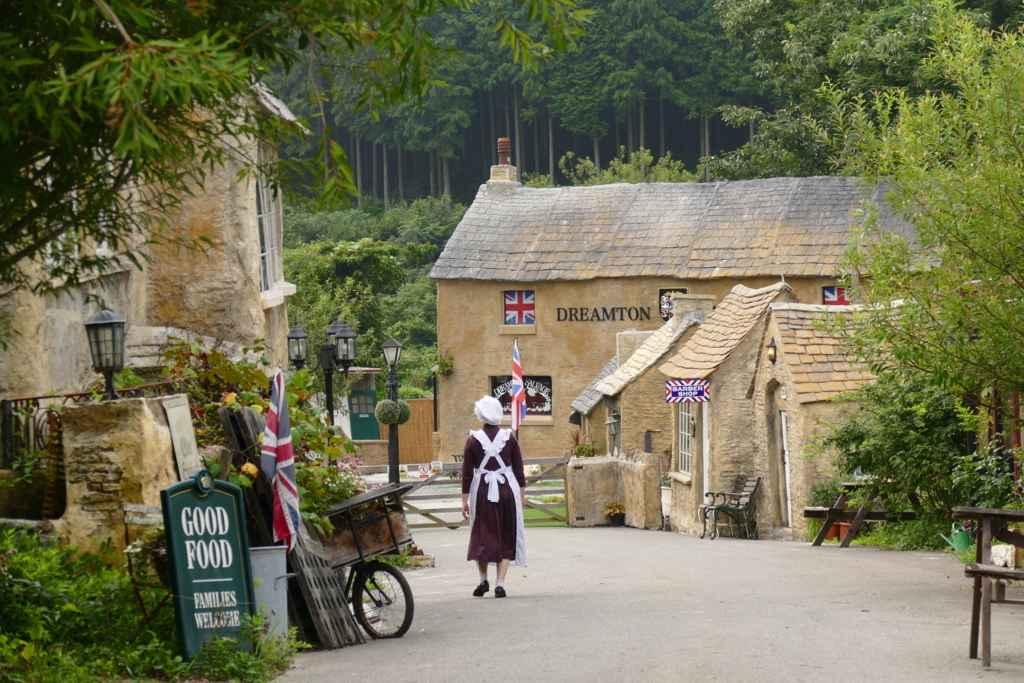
{"x": 493, "y": 536}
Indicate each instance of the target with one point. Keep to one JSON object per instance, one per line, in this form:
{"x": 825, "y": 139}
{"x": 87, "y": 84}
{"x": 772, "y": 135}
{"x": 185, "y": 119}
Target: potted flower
{"x": 616, "y": 512}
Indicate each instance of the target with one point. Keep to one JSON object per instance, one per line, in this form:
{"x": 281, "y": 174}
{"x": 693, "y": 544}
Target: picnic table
{"x": 871, "y": 511}
{"x": 992, "y": 525}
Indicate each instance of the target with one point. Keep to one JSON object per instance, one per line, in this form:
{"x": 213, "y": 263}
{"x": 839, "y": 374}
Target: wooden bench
{"x": 738, "y": 505}
{"x": 992, "y": 525}
{"x": 871, "y": 511}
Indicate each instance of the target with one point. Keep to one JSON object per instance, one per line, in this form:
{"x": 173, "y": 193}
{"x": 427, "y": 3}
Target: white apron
{"x": 494, "y": 479}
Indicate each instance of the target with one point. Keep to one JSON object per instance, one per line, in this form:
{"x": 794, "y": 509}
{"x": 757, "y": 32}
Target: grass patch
{"x": 535, "y": 517}
{"x": 916, "y": 534}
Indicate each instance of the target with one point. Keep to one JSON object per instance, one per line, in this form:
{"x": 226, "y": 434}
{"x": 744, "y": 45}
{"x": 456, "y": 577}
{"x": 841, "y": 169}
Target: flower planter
{"x": 843, "y": 528}
{"x": 833, "y": 533}
{"x": 362, "y": 528}
{"x": 617, "y": 520}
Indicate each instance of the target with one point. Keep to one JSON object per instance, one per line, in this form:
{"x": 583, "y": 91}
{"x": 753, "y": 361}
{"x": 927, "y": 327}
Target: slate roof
{"x": 591, "y": 397}
{"x": 816, "y": 358}
{"x": 722, "y": 332}
{"x": 795, "y": 227}
{"x": 647, "y": 354}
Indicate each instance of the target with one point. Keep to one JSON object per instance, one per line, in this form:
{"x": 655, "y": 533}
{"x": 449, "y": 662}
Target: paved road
{"x": 608, "y": 605}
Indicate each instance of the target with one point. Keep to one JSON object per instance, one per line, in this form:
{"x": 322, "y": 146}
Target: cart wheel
{"x": 382, "y": 600}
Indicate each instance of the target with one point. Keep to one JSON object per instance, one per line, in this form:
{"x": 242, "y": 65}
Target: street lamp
{"x": 337, "y": 351}
{"x": 298, "y": 350}
{"x": 392, "y": 354}
{"x": 105, "y": 330}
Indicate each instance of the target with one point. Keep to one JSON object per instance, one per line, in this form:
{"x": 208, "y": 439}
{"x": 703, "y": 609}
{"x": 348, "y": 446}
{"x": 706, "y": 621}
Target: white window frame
{"x": 266, "y": 225}
{"x": 687, "y": 425}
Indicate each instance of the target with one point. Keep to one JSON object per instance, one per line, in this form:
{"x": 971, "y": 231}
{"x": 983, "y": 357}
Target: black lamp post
{"x": 392, "y": 354}
{"x": 105, "y": 330}
{"x": 338, "y": 350}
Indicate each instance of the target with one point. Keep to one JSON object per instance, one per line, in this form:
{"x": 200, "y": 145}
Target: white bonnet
{"x": 488, "y": 410}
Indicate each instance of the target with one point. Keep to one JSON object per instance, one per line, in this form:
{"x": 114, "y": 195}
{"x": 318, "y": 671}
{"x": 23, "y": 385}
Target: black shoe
{"x": 482, "y": 588}
{"x": 499, "y": 592}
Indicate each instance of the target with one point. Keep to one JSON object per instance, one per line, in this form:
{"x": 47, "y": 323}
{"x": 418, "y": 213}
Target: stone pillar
{"x": 641, "y": 484}
{"x": 114, "y": 452}
{"x": 590, "y": 484}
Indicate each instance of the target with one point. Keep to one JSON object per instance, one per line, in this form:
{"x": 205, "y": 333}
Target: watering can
{"x": 961, "y": 540}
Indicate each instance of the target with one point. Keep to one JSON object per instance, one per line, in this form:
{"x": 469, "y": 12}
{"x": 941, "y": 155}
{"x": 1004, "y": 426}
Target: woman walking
{"x": 493, "y": 485}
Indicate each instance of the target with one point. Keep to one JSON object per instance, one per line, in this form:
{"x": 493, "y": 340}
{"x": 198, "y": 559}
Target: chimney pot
{"x": 504, "y": 151}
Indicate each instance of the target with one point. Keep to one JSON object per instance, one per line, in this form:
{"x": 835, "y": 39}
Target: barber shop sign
{"x": 687, "y": 391}
{"x": 208, "y": 545}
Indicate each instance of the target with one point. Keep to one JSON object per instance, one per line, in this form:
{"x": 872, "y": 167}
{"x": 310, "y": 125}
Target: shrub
{"x": 71, "y": 619}
{"x": 404, "y": 412}
{"x": 388, "y": 412}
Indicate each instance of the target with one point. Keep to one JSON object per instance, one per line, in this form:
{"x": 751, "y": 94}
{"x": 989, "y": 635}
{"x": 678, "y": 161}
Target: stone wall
{"x": 806, "y": 425}
{"x": 50, "y": 353}
{"x": 114, "y": 452}
{"x": 215, "y": 290}
{"x": 641, "y": 486}
{"x": 471, "y": 330}
{"x": 372, "y": 452}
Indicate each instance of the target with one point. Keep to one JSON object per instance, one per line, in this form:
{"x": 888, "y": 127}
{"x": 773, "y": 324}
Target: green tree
{"x": 862, "y": 47}
{"x": 116, "y": 109}
{"x": 951, "y": 302}
{"x": 911, "y": 436}
{"x": 640, "y": 168}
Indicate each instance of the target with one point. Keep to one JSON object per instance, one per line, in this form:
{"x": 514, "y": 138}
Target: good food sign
{"x": 208, "y": 547}
{"x": 687, "y": 391}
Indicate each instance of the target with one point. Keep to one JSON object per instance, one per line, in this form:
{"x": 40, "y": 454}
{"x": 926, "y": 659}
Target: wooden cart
{"x": 365, "y": 526}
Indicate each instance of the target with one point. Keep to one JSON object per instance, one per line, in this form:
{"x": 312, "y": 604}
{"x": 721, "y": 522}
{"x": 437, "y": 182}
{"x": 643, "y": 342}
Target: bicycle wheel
{"x": 382, "y": 600}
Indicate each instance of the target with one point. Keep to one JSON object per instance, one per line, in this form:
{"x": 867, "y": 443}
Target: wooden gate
{"x": 415, "y": 437}
{"x": 545, "y": 477}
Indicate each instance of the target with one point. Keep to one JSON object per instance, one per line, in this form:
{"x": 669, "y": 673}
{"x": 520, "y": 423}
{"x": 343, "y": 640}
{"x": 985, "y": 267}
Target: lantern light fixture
{"x": 298, "y": 348}
{"x": 105, "y": 331}
{"x": 613, "y": 424}
{"x": 392, "y": 352}
{"x": 344, "y": 346}
{"x": 772, "y": 350}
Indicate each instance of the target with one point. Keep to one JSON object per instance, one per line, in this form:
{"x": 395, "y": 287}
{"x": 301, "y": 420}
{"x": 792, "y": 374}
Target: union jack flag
{"x": 835, "y": 296}
{"x": 517, "y": 390}
{"x": 519, "y": 308}
{"x": 278, "y": 462}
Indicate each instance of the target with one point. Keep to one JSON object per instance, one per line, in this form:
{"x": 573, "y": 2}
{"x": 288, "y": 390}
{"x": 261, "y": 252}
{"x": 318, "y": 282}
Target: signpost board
{"x": 208, "y": 546}
{"x": 186, "y": 452}
{"x": 687, "y": 391}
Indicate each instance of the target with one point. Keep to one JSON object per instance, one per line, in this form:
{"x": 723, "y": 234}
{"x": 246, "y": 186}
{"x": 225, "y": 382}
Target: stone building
{"x": 634, "y": 393}
{"x": 566, "y": 269}
{"x": 793, "y": 400}
{"x": 718, "y": 439}
{"x": 230, "y": 291}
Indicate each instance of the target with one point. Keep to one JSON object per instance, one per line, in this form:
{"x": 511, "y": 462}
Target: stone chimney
{"x": 698, "y": 306}
{"x": 503, "y": 181}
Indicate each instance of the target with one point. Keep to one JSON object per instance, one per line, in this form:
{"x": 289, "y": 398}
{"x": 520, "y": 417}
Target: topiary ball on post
{"x": 388, "y": 412}
{"x": 405, "y": 412}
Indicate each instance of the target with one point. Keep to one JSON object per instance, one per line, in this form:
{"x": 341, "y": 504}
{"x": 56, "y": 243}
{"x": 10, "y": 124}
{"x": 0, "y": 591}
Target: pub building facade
{"x": 564, "y": 270}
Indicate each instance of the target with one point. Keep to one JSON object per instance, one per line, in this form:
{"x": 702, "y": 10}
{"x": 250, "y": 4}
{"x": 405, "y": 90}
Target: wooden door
{"x": 364, "y": 422}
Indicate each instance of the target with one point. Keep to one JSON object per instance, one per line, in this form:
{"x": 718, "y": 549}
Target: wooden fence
{"x": 424, "y": 504}
{"x": 415, "y": 437}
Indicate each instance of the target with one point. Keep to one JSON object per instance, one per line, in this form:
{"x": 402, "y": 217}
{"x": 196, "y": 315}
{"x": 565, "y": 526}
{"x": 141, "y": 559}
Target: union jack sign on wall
{"x": 520, "y": 308}
{"x": 687, "y": 391}
{"x": 834, "y": 296}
